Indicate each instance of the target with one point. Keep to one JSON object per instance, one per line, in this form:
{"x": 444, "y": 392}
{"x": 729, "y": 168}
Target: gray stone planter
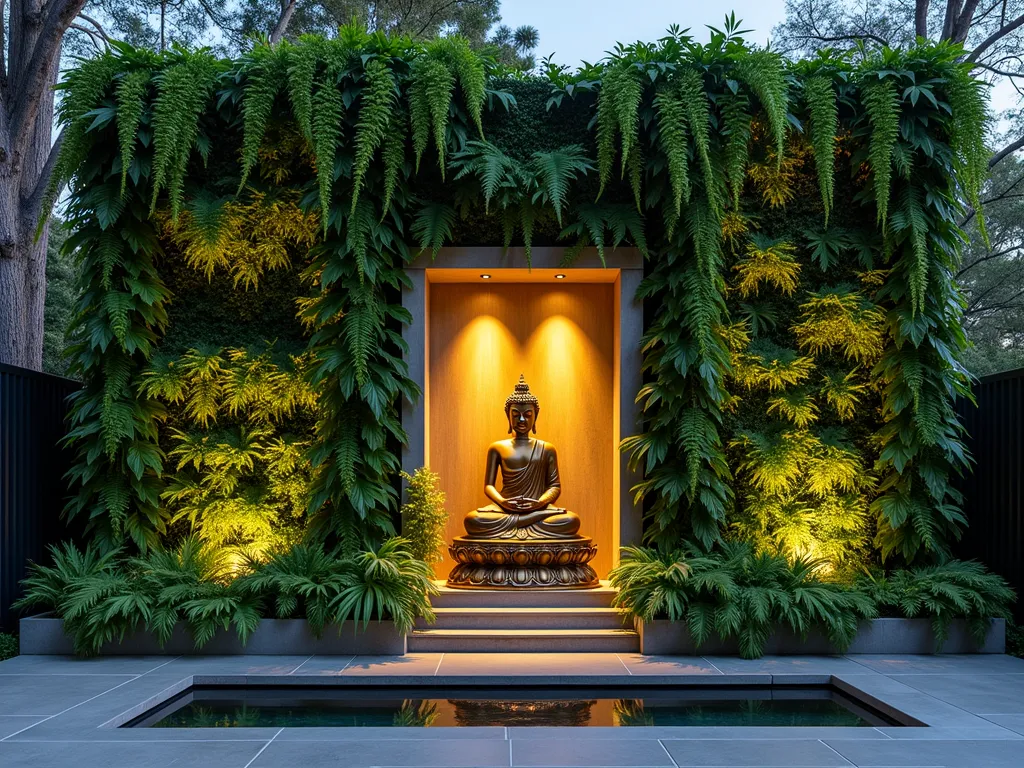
{"x": 888, "y": 636}
{"x": 43, "y": 635}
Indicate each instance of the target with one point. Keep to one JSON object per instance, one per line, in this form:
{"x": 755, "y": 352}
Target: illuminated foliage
{"x": 842, "y": 392}
{"x": 242, "y": 477}
{"x": 767, "y": 261}
{"x": 841, "y": 318}
{"x": 767, "y": 365}
{"x": 245, "y": 240}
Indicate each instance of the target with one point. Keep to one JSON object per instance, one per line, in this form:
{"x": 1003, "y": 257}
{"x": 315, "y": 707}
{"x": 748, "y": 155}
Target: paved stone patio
{"x": 57, "y": 711}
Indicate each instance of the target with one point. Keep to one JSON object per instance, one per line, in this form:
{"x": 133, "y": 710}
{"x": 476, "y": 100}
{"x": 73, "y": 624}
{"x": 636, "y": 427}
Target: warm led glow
{"x": 559, "y": 277}
{"x": 485, "y": 277}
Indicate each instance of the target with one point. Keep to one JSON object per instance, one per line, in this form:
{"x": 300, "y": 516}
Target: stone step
{"x": 525, "y": 618}
{"x": 524, "y": 641}
{"x": 599, "y": 597}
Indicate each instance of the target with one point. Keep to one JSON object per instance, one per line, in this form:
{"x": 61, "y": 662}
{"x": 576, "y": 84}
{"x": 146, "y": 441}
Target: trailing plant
{"x": 423, "y": 516}
{"x": 824, "y": 125}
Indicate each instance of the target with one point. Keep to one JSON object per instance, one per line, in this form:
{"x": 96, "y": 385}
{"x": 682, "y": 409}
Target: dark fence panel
{"x": 32, "y": 466}
{"x": 994, "y": 492}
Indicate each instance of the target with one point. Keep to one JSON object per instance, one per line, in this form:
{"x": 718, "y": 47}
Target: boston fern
{"x": 953, "y": 590}
{"x": 735, "y": 592}
{"x": 102, "y": 598}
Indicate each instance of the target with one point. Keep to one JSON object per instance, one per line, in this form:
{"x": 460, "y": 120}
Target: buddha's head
{"x": 522, "y": 409}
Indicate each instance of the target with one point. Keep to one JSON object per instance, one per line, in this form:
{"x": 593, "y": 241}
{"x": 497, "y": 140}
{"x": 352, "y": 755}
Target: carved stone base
{"x": 515, "y": 564}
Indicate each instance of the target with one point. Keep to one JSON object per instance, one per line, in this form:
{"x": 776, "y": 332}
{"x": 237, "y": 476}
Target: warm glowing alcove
{"x": 565, "y": 329}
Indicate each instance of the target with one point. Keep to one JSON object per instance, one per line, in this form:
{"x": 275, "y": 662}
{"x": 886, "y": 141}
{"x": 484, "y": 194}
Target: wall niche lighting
{"x": 559, "y": 277}
{"x": 485, "y": 277}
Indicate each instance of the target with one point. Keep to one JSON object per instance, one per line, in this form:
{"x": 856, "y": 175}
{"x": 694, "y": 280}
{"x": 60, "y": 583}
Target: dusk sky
{"x": 577, "y": 30}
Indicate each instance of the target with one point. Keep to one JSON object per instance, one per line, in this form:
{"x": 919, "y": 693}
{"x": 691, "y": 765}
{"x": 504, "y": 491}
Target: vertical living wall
{"x": 243, "y": 227}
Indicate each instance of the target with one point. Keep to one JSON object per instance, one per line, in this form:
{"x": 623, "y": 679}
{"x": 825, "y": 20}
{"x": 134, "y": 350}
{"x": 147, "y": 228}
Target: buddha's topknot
{"x": 522, "y": 395}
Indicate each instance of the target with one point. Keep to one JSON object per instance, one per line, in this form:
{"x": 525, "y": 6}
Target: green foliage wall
{"x": 244, "y": 225}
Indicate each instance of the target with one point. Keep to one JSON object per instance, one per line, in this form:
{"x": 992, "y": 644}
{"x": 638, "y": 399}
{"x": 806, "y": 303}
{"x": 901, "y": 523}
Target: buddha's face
{"x": 522, "y": 419}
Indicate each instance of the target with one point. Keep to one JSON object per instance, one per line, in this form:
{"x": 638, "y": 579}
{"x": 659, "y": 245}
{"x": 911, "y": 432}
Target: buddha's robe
{"x": 532, "y": 480}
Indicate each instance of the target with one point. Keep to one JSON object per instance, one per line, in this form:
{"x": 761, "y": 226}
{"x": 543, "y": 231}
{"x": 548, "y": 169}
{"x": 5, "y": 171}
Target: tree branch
{"x": 987, "y": 257}
{"x": 921, "y": 18}
{"x": 842, "y": 38}
{"x": 33, "y": 205}
{"x": 287, "y": 11}
{"x": 964, "y": 21}
{"x": 995, "y": 37}
{"x": 1009, "y": 149}
{"x": 35, "y": 78}
{"x": 952, "y": 11}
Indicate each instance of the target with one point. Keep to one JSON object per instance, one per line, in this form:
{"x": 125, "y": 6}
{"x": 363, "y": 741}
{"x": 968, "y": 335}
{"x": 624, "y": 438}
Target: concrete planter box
{"x": 43, "y": 635}
{"x": 886, "y": 636}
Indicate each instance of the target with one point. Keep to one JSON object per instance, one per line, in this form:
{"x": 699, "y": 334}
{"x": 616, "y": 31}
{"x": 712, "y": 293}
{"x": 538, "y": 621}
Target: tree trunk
{"x": 22, "y": 255}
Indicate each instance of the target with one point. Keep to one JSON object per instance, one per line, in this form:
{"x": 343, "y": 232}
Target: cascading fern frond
{"x": 882, "y": 105}
{"x": 267, "y": 68}
{"x": 131, "y": 102}
{"x": 183, "y": 90}
{"x": 674, "y": 143}
{"x": 375, "y": 115}
{"x": 821, "y": 99}
{"x": 763, "y": 71}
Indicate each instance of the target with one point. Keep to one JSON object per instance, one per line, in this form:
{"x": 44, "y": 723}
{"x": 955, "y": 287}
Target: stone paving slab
{"x": 575, "y": 752}
{"x": 959, "y": 664}
{"x": 966, "y": 753}
{"x": 11, "y": 724}
{"x": 60, "y": 711}
{"x": 804, "y": 752}
{"x": 980, "y": 694}
{"x": 149, "y": 754}
{"x": 463, "y": 753}
{"x": 1012, "y": 722}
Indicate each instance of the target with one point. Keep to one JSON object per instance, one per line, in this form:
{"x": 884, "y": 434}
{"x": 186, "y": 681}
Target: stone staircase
{"x": 525, "y": 621}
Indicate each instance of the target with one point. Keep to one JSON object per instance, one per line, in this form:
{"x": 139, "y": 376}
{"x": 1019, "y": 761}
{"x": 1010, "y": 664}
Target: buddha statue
{"x": 524, "y": 508}
{"x": 521, "y": 539}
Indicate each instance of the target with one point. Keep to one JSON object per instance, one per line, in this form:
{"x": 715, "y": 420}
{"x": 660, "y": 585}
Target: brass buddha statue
{"x": 522, "y": 539}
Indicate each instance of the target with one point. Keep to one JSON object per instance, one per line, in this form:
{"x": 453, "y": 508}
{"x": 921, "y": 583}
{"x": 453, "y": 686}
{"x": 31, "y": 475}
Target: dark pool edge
{"x": 145, "y": 710}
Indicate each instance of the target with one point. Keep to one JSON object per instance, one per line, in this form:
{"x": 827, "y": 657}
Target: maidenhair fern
{"x": 821, "y": 100}
{"x": 882, "y": 104}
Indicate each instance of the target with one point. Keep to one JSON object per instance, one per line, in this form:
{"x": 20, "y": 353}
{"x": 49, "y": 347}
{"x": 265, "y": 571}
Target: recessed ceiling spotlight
{"x": 485, "y": 277}
{"x": 559, "y": 277}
